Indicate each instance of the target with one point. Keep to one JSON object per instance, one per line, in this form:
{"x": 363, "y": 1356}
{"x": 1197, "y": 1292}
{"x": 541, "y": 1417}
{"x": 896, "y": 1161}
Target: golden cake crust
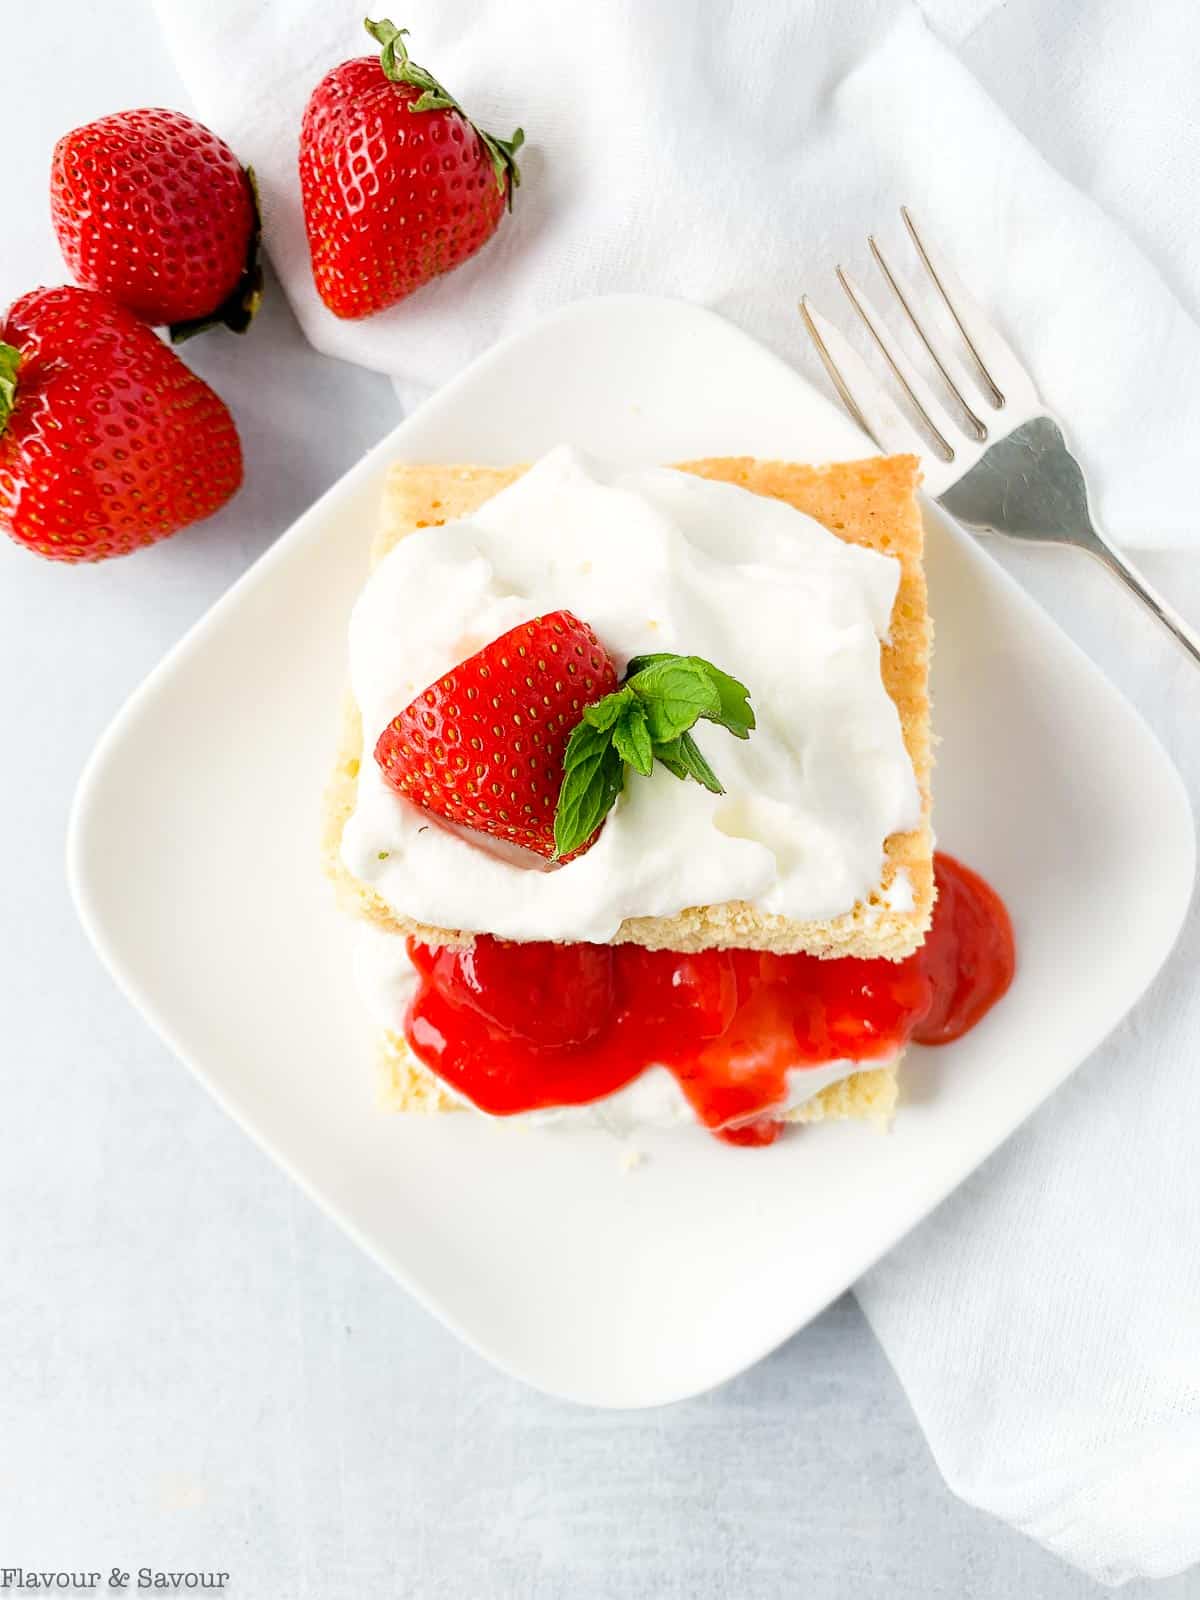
{"x": 870, "y": 503}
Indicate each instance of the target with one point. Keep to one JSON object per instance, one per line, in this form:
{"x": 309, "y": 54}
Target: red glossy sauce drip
{"x": 969, "y": 956}
{"x": 520, "y": 1027}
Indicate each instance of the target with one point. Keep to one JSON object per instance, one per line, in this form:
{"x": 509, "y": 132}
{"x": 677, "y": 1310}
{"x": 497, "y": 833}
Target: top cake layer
{"x": 821, "y": 842}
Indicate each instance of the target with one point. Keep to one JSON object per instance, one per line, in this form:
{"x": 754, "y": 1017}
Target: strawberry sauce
{"x": 521, "y": 1027}
{"x": 969, "y": 956}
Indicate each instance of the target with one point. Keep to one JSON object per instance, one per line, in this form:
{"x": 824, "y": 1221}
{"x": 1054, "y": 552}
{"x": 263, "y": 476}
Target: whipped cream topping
{"x": 654, "y": 560}
{"x": 387, "y": 980}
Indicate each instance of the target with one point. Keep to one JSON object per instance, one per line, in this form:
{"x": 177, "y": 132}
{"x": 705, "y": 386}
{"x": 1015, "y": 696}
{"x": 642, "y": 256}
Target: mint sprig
{"x": 648, "y": 719}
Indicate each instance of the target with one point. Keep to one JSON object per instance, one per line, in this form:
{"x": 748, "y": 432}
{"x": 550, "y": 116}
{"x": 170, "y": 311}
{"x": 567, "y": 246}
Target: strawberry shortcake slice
{"x": 632, "y": 794}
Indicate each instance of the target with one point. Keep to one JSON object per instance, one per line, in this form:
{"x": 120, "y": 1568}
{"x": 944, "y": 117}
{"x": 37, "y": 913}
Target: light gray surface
{"x": 196, "y": 1368}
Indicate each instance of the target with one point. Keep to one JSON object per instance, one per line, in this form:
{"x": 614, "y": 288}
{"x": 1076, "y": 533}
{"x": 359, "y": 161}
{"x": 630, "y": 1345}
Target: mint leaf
{"x": 631, "y": 739}
{"x": 640, "y": 663}
{"x": 675, "y": 693}
{"x": 587, "y": 743}
{"x": 589, "y": 791}
{"x": 668, "y": 755}
{"x": 683, "y": 757}
{"x": 697, "y": 766}
{"x": 734, "y": 713}
{"x": 603, "y": 713}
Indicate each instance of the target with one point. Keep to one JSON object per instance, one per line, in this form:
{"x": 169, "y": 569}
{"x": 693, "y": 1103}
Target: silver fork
{"x": 1004, "y": 465}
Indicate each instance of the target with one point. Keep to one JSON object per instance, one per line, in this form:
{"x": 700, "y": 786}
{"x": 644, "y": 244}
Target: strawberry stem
{"x": 10, "y": 360}
{"x": 400, "y": 68}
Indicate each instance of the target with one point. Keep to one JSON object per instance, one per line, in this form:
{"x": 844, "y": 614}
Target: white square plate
{"x": 193, "y": 862}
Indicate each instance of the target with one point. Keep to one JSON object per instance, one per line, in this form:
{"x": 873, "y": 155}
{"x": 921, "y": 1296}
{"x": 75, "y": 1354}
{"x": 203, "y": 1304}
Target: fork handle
{"x": 1166, "y": 613}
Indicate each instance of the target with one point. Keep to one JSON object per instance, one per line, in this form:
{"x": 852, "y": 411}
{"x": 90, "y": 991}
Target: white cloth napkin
{"x": 1046, "y": 1322}
{"x": 731, "y": 153}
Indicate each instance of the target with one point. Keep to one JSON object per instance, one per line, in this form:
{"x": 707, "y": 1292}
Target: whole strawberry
{"x": 153, "y": 209}
{"x": 107, "y": 441}
{"x": 484, "y": 745}
{"x": 398, "y": 184}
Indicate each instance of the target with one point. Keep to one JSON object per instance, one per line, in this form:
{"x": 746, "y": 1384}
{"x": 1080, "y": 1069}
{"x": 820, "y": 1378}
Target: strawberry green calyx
{"x": 10, "y": 360}
{"x": 394, "y": 59}
{"x": 647, "y": 719}
{"x": 238, "y": 310}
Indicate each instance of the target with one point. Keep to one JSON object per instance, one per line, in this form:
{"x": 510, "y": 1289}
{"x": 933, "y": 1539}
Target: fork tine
{"x": 997, "y": 396}
{"x": 831, "y": 367}
{"x": 977, "y": 426}
{"x": 914, "y": 387}
{"x": 866, "y": 401}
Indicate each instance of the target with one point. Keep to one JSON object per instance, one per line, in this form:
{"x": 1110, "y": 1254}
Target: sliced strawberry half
{"x": 483, "y": 746}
